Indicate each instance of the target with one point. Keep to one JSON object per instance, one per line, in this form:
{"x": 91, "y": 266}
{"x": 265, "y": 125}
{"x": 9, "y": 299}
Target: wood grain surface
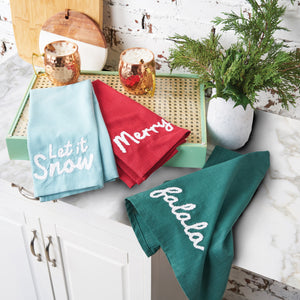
{"x": 28, "y": 17}
{"x": 75, "y": 25}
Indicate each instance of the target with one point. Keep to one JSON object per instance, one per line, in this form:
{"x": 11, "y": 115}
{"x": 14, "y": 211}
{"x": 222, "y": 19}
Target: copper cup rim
{"x": 61, "y": 41}
{"x": 132, "y": 48}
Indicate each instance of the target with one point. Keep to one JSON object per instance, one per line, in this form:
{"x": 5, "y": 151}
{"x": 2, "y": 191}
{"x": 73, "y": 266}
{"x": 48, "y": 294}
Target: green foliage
{"x": 256, "y": 62}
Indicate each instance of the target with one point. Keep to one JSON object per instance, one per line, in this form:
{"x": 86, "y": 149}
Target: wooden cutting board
{"x": 28, "y": 17}
{"x": 80, "y": 29}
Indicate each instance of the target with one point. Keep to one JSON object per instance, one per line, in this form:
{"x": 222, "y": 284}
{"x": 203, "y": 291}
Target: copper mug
{"x": 137, "y": 71}
{"x": 61, "y": 61}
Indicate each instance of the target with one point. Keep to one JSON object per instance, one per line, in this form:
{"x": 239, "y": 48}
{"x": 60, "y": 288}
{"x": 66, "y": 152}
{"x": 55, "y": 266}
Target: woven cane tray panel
{"x": 176, "y": 99}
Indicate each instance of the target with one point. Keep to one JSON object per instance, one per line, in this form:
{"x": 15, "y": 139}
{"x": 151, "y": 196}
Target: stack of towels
{"x": 85, "y": 134}
{"x": 142, "y": 141}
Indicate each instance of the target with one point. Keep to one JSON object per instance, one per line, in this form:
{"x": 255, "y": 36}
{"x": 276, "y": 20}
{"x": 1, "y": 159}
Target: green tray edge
{"x": 192, "y": 155}
{"x": 189, "y": 155}
{"x": 17, "y": 146}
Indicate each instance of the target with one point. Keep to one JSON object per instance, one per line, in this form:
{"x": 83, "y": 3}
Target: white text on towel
{"x": 192, "y": 231}
{"x": 58, "y": 164}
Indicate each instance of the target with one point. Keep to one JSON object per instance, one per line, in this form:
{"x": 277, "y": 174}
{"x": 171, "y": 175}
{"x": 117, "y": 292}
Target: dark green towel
{"x": 191, "y": 219}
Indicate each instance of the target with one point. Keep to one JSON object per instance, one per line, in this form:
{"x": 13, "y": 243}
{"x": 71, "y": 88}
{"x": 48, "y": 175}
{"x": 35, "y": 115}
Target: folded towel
{"x": 68, "y": 143}
{"x": 142, "y": 141}
{"x": 191, "y": 219}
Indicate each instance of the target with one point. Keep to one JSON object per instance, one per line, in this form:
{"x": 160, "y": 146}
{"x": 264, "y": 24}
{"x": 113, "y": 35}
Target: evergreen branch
{"x": 256, "y": 62}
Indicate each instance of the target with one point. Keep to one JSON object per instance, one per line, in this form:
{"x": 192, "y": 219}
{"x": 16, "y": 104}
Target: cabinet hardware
{"x": 37, "y": 255}
{"x": 24, "y": 192}
{"x": 53, "y": 261}
{"x": 27, "y": 194}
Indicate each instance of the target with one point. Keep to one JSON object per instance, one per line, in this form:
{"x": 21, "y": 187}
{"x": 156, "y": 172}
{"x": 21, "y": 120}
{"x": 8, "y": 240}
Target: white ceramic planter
{"x": 228, "y": 126}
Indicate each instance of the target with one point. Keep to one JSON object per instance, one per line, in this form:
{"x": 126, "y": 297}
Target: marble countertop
{"x": 267, "y": 235}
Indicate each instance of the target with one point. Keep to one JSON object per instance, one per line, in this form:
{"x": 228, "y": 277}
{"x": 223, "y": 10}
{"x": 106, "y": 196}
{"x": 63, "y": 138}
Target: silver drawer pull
{"x": 24, "y": 192}
{"x": 37, "y": 255}
{"x": 52, "y": 261}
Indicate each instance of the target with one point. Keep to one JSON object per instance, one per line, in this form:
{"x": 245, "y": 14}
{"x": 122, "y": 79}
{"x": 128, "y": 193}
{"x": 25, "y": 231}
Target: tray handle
{"x": 24, "y": 192}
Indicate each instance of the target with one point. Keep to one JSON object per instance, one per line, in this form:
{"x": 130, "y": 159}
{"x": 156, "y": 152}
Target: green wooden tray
{"x": 176, "y": 99}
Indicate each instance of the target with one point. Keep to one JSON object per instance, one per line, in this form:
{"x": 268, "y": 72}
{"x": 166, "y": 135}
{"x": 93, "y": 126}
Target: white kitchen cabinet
{"x": 82, "y": 256}
{"x": 44, "y": 279}
{"x": 16, "y": 279}
{"x": 102, "y": 262}
{"x": 24, "y": 271}
{"x": 85, "y": 259}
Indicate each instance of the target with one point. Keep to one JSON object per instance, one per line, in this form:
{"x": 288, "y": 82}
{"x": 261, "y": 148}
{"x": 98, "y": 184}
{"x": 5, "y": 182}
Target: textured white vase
{"x": 228, "y": 126}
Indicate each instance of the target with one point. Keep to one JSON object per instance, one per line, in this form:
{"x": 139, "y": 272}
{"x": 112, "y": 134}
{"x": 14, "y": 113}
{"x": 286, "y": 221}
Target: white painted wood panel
{"x": 16, "y": 281}
{"x": 41, "y": 275}
{"x": 90, "y": 270}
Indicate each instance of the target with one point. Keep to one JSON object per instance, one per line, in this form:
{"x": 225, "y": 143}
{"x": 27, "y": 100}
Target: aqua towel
{"x": 191, "y": 219}
{"x": 68, "y": 143}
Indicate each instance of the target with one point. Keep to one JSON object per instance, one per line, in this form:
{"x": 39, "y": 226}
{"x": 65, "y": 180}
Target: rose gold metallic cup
{"x": 138, "y": 77}
{"x": 62, "y": 62}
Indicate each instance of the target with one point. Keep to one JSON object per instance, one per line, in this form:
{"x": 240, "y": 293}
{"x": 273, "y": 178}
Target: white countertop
{"x": 267, "y": 236}
{"x": 268, "y": 233}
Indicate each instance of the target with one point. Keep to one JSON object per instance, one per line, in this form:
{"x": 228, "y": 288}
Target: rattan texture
{"x": 176, "y": 99}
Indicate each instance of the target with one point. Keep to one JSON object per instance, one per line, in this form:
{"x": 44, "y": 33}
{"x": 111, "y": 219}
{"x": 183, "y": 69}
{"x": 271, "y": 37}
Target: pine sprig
{"x": 195, "y": 55}
{"x": 256, "y": 62}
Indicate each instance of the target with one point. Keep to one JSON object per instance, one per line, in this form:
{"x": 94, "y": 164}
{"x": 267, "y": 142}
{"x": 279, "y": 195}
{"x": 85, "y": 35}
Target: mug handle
{"x": 32, "y": 57}
{"x": 151, "y": 91}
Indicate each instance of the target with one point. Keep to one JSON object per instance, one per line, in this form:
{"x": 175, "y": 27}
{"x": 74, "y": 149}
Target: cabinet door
{"x": 23, "y": 273}
{"x": 53, "y": 256}
{"x": 37, "y": 258}
{"x": 16, "y": 280}
{"x": 94, "y": 258}
{"x": 101, "y": 264}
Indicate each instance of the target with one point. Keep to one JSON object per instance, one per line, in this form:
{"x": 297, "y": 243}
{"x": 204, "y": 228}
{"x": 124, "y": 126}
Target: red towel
{"x": 142, "y": 141}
